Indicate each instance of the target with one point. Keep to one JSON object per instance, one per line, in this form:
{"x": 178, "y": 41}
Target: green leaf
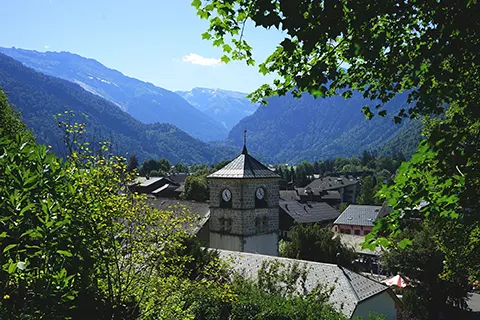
{"x": 9, "y": 247}
{"x": 404, "y": 243}
{"x": 206, "y": 36}
{"x": 225, "y": 59}
{"x": 65, "y": 253}
{"x": 227, "y": 48}
{"x": 12, "y": 268}
{"x": 366, "y": 111}
{"x": 196, "y": 4}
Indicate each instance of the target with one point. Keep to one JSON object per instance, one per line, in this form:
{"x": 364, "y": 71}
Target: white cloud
{"x": 46, "y": 47}
{"x": 194, "y": 58}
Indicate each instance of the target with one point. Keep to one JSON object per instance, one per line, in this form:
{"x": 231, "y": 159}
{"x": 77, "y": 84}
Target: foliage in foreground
{"x": 76, "y": 244}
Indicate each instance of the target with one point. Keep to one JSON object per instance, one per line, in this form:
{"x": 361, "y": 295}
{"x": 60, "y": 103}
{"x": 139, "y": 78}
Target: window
{"x": 357, "y": 232}
{"x": 225, "y": 224}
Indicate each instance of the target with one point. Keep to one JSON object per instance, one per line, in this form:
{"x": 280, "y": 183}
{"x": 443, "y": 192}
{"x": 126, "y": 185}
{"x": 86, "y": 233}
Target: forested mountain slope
{"x": 289, "y": 130}
{"x": 226, "y": 107}
{"x": 39, "y": 97}
{"x": 142, "y": 100}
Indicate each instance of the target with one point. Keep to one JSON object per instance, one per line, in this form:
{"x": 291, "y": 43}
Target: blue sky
{"x": 158, "y": 41}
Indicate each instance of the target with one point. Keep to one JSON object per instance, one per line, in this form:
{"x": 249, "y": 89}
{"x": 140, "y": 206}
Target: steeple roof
{"x": 244, "y": 167}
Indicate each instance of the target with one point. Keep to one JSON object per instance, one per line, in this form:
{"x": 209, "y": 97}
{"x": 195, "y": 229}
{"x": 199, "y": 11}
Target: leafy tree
{"x": 368, "y": 189}
{"x": 314, "y": 243}
{"x": 132, "y": 163}
{"x": 422, "y": 48}
{"x": 196, "y": 188}
{"x": 422, "y": 265}
{"x": 440, "y": 185}
{"x": 343, "y": 206}
{"x": 180, "y": 167}
{"x": 10, "y": 123}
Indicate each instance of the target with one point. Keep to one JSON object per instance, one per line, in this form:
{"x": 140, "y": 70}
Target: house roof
{"x": 348, "y": 288}
{"x": 178, "y": 177}
{"x": 144, "y": 182}
{"x": 244, "y": 167}
{"x": 289, "y": 195}
{"x": 332, "y": 195}
{"x": 201, "y": 209}
{"x": 360, "y": 215}
{"x": 332, "y": 183}
{"x": 309, "y": 212}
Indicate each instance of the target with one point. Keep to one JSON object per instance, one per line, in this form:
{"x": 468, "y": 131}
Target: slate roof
{"x": 309, "y": 212}
{"x": 144, "y": 182}
{"x": 331, "y": 183}
{"x": 244, "y": 167}
{"x": 178, "y": 177}
{"x": 201, "y": 209}
{"x": 332, "y": 195}
{"x": 349, "y": 288}
{"x": 289, "y": 195}
{"x": 360, "y": 215}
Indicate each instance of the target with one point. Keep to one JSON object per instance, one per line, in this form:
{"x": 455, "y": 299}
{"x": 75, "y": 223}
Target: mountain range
{"x": 142, "y": 100}
{"x": 38, "y": 97}
{"x": 287, "y": 130}
{"x": 226, "y": 107}
{"x": 290, "y": 130}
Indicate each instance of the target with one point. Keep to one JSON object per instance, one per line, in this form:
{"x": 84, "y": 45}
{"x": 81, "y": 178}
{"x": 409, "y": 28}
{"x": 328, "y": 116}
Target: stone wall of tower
{"x": 243, "y": 218}
{"x": 243, "y": 192}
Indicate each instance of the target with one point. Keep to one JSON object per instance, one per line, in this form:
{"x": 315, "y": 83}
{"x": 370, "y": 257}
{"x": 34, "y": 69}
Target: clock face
{"x": 260, "y": 193}
{"x": 226, "y": 195}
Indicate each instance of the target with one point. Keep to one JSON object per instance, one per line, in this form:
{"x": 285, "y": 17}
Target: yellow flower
{"x": 6, "y": 297}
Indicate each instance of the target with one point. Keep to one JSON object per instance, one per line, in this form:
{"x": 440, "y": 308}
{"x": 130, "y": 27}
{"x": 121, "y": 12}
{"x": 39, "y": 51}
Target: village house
{"x": 359, "y": 219}
{"x": 348, "y": 188}
{"x": 292, "y": 212}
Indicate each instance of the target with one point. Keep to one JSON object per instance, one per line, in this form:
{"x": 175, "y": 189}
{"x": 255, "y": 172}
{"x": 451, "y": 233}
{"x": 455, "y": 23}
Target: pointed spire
{"x": 244, "y": 151}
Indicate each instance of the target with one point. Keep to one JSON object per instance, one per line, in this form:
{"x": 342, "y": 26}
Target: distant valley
{"x": 142, "y": 100}
{"x": 38, "y": 97}
{"x": 226, "y": 107}
{"x": 287, "y": 130}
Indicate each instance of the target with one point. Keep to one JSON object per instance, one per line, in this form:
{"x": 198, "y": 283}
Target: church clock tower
{"x": 244, "y": 207}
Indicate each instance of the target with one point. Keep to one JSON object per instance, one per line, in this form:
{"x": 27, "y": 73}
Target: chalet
{"x": 352, "y": 294}
{"x": 292, "y": 212}
{"x": 359, "y": 219}
{"x": 347, "y": 187}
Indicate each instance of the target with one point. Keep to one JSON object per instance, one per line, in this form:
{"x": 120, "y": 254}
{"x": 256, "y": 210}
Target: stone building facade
{"x": 249, "y": 220}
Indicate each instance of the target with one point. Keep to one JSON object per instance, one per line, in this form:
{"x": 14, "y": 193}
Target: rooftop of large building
{"x": 331, "y": 183}
{"x": 309, "y": 212}
{"x": 348, "y": 288}
{"x": 361, "y": 215}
